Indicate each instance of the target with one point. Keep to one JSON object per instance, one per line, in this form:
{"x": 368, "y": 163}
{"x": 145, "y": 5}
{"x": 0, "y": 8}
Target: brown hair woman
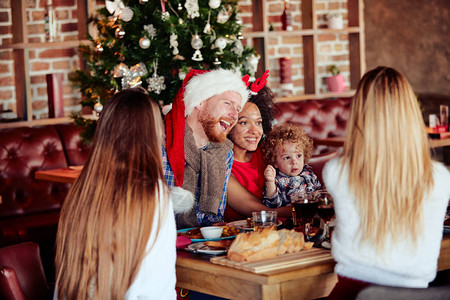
{"x": 116, "y": 236}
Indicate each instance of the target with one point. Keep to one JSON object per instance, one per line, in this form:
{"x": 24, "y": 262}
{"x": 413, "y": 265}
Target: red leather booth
{"x": 29, "y": 210}
{"x": 321, "y": 118}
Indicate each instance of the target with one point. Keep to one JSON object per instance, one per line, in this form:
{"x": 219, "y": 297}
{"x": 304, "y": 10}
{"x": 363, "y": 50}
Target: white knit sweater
{"x": 402, "y": 265}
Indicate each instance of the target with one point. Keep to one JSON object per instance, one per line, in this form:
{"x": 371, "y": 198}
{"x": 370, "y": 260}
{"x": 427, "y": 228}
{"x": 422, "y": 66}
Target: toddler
{"x": 286, "y": 149}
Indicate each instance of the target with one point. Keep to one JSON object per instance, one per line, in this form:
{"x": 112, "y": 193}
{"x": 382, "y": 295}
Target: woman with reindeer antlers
{"x": 246, "y": 185}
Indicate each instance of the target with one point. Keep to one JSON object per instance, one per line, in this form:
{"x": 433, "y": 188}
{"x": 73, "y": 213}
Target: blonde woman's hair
{"x": 388, "y": 158}
{"x": 108, "y": 214}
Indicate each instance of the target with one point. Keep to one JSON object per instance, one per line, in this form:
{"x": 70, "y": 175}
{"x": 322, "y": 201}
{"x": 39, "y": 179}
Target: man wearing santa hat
{"x": 197, "y": 157}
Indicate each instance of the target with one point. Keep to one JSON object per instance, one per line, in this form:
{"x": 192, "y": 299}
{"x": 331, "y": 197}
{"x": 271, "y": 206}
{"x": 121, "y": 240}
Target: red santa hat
{"x": 198, "y": 86}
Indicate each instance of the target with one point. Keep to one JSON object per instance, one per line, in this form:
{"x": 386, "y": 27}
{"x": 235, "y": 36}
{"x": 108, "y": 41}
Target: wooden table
{"x": 66, "y": 175}
{"x": 196, "y": 272}
{"x": 339, "y": 142}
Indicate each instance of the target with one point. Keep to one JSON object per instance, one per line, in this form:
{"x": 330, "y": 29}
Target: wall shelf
{"x": 305, "y": 46}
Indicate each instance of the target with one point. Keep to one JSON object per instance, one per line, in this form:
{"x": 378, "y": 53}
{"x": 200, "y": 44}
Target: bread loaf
{"x": 266, "y": 243}
{"x": 256, "y": 245}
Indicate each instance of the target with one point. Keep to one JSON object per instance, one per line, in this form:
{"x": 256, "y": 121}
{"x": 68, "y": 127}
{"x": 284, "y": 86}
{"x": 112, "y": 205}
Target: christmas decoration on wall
{"x": 167, "y": 37}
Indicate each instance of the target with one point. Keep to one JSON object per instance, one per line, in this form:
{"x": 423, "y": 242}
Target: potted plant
{"x": 335, "y": 82}
{"x": 335, "y": 21}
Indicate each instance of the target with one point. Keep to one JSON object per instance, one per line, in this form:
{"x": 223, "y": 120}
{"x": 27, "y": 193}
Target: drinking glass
{"x": 325, "y": 209}
{"x": 304, "y": 208}
{"x": 262, "y": 219}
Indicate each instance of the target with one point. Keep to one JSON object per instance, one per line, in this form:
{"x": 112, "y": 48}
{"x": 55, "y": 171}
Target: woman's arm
{"x": 244, "y": 202}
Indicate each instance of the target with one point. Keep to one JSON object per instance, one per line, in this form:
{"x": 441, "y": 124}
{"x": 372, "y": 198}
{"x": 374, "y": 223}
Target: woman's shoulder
{"x": 441, "y": 175}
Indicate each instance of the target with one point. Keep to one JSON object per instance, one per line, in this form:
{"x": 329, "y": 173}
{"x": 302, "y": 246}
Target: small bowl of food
{"x": 211, "y": 232}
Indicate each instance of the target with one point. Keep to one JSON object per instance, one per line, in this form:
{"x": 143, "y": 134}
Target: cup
{"x": 263, "y": 219}
{"x": 304, "y": 209}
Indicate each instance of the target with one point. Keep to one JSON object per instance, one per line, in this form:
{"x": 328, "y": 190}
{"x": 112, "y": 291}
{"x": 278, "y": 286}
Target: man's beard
{"x": 210, "y": 124}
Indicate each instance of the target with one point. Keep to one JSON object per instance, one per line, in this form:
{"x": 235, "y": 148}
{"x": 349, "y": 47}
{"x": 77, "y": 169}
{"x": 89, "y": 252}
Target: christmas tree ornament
{"x": 131, "y": 77}
{"x": 120, "y": 70}
{"x": 238, "y": 47}
{"x": 151, "y": 31}
{"x": 240, "y": 36}
{"x": 192, "y": 8}
{"x": 164, "y": 14}
{"x": 197, "y": 44}
{"x": 217, "y": 62}
{"x": 99, "y": 48}
{"x": 224, "y": 14}
{"x": 207, "y": 28}
{"x": 156, "y": 82}
{"x": 181, "y": 74}
{"x": 220, "y": 43}
{"x": 180, "y": 21}
{"x": 127, "y": 14}
{"x": 144, "y": 42}
{"x": 180, "y": 8}
{"x": 251, "y": 64}
{"x": 143, "y": 1}
{"x": 98, "y": 107}
{"x": 114, "y": 7}
{"x": 214, "y": 3}
{"x": 174, "y": 43}
{"x": 120, "y": 33}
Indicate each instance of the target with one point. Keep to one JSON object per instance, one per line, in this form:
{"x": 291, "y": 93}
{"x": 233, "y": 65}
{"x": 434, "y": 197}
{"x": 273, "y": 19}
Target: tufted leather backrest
{"x": 317, "y": 162}
{"x": 76, "y": 151}
{"x": 320, "y": 118}
{"x": 23, "y": 151}
{"x": 21, "y": 273}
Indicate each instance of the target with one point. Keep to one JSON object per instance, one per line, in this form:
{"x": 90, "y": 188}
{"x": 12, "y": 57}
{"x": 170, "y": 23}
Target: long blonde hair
{"x": 388, "y": 158}
{"x": 107, "y": 216}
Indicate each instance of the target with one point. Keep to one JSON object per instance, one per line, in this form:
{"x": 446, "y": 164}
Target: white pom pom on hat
{"x": 215, "y": 82}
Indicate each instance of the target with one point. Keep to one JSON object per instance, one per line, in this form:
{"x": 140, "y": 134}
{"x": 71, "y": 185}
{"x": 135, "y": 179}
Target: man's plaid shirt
{"x": 203, "y": 219}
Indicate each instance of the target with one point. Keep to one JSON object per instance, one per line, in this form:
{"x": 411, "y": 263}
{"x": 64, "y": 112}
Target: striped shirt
{"x": 203, "y": 219}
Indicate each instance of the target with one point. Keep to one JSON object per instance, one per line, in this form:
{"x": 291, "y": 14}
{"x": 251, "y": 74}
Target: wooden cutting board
{"x": 314, "y": 256}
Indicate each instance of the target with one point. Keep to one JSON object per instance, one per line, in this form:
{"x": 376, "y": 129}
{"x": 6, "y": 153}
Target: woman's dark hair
{"x": 264, "y": 101}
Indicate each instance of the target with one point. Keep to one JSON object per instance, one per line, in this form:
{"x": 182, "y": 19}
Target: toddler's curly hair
{"x": 286, "y": 132}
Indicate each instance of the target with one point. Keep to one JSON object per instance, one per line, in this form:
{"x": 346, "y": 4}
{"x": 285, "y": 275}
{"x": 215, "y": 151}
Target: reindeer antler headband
{"x": 258, "y": 84}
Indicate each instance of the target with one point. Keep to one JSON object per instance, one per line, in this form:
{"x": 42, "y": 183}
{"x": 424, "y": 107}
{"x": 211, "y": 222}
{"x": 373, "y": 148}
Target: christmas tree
{"x": 153, "y": 44}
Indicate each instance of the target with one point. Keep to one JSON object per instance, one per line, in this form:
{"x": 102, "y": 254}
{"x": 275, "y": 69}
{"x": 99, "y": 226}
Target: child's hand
{"x": 269, "y": 173}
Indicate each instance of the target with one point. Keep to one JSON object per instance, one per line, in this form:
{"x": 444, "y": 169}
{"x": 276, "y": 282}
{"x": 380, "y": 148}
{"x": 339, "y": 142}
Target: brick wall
{"x": 332, "y": 49}
{"x": 41, "y": 61}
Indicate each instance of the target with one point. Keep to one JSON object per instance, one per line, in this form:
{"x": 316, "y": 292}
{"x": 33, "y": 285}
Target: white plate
{"x": 201, "y": 248}
{"x": 204, "y": 240}
{"x": 243, "y": 225}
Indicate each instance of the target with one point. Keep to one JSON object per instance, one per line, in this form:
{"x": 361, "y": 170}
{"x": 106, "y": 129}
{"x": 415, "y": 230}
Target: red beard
{"x": 210, "y": 126}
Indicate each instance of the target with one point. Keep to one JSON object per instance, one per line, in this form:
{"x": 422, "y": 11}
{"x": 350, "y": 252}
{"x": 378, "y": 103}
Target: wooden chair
{"x": 22, "y": 274}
